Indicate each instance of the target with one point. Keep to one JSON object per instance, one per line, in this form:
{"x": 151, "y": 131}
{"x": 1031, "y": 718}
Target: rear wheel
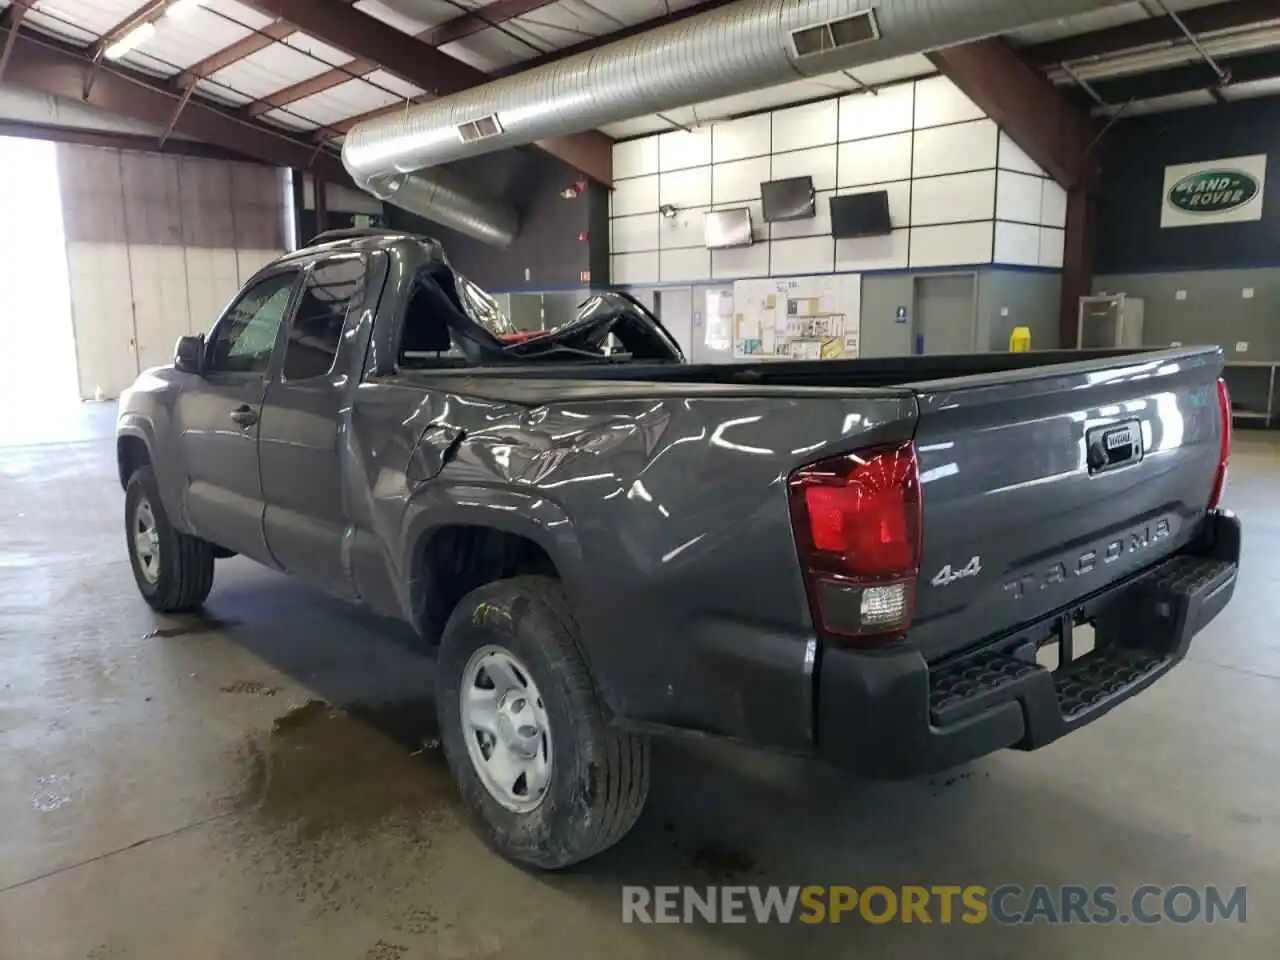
{"x": 546, "y": 779}
{"x": 174, "y": 571}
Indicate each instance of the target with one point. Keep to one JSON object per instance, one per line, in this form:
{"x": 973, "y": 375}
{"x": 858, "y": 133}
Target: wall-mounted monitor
{"x": 861, "y": 215}
{"x": 728, "y": 228}
{"x": 790, "y": 199}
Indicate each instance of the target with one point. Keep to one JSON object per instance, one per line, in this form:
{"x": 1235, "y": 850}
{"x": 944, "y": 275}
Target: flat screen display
{"x": 861, "y": 215}
{"x": 728, "y": 228}
{"x": 790, "y": 199}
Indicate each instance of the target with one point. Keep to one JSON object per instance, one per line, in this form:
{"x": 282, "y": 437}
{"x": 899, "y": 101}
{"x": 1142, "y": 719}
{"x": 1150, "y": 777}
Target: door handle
{"x": 244, "y": 415}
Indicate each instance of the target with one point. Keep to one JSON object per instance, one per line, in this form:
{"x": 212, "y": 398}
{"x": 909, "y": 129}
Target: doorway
{"x": 946, "y": 313}
{"x": 38, "y": 362}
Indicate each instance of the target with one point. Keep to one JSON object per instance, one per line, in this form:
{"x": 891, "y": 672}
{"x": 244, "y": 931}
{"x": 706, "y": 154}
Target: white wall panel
{"x": 1051, "y": 245}
{"x": 681, "y": 149}
{"x": 635, "y": 233}
{"x": 940, "y": 101}
{"x": 160, "y": 307}
{"x": 888, "y": 110}
{"x": 807, "y": 255}
{"x": 740, "y": 180}
{"x": 1013, "y": 157}
{"x": 686, "y": 229}
{"x": 686, "y": 188}
{"x": 953, "y": 199}
{"x": 951, "y": 245}
{"x": 212, "y": 282}
{"x": 874, "y": 253}
{"x": 689, "y": 264}
{"x": 102, "y": 316}
{"x": 635, "y": 196}
{"x": 628, "y": 268}
{"x": 635, "y": 158}
{"x": 817, "y": 225}
{"x": 810, "y": 125}
{"x": 957, "y": 148}
{"x": 878, "y": 160}
{"x": 1017, "y": 243}
{"x": 1053, "y": 204}
{"x": 249, "y": 262}
{"x": 738, "y": 139}
{"x": 752, "y": 261}
{"x": 1018, "y": 197}
{"x": 818, "y": 162}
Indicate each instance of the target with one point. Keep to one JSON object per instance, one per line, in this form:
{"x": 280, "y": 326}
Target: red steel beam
{"x": 364, "y": 37}
{"x": 451, "y": 30}
{"x": 11, "y": 19}
{"x": 60, "y": 69}
{"x": 1231, "y": 15}
{"x": 242, "y": 48}
{"x": 1054, "y": 132}
{"x": 120, "y": 141}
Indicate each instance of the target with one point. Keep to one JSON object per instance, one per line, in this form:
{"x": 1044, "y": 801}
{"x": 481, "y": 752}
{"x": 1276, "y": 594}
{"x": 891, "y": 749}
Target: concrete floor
{"x": 181, "y": 788}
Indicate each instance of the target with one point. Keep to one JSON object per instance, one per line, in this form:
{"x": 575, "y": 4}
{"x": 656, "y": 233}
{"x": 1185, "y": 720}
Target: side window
{"x": 425, "y": 341}
{"x": 329, "y": 291}
{"x": 243, "y": 341}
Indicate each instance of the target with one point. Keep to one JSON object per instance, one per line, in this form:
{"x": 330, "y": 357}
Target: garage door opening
{"x": 38, "y": 359}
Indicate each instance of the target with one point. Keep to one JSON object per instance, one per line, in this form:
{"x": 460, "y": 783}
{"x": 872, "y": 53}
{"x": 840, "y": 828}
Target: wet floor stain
{"x": 336, "y": 812}
{"x": 720, "y": 863}
{"x": 250, "y": 687}
{"x": 52, "y": 792}
{"x": 382, "y": 950}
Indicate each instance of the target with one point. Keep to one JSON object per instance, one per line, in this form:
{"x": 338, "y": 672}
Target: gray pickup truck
{"x": 860, "y": 560}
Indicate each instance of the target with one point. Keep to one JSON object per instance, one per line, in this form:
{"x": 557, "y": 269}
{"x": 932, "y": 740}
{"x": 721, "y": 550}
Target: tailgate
{"x": 1021, "y": 518}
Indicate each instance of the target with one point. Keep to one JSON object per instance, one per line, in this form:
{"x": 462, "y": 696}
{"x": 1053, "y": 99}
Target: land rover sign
{"x": 1219, "y": 191}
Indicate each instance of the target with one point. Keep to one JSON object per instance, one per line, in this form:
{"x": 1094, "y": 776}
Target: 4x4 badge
{"x": 947, "y": 576}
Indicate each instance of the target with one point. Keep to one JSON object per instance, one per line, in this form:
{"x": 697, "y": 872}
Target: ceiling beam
{"x": 1247, "y": 67}
{"x": 1230, "y": 15}
{"x": 143, "y": 143}
{"x": 450, "y": 31}
{"x": 363, "y": 37}
{"x": 10, "y": 19}
{"x": 242, "y": 48}
{"x": 1036, "y": 115}
{"x": 60, "y": 69}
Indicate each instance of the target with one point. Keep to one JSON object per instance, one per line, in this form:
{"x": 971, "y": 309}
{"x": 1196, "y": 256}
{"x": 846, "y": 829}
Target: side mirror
{"x": 188, "y": 356}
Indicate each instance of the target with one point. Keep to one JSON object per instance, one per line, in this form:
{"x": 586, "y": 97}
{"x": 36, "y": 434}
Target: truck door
{"x": 302, "y": 426}
{"x": 218, "y": 418}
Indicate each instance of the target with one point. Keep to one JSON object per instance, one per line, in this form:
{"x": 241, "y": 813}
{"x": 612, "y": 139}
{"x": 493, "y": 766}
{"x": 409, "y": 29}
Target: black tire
{"x": 185, "y": 574}
{"x": 599, "y": 774}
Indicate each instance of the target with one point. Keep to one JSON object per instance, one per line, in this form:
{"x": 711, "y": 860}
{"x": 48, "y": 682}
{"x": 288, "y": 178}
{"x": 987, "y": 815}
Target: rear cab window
{"x": 331, "y": 287}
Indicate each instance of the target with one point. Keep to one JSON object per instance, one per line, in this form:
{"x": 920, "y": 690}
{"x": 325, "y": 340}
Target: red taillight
{"x": 1224, "y": 443}
{"x": 857, "y": 527}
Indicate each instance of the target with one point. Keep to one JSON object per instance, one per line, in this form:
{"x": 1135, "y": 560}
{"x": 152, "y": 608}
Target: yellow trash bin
{"x": 1020, "y": 340}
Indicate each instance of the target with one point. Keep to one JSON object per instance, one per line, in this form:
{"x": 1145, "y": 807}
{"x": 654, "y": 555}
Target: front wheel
{"x": 546, "y": 779}
{"x": 174, "y": 571}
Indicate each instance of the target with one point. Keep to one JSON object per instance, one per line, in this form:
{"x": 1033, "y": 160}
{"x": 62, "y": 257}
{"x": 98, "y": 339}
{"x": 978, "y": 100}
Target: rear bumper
{"x": 891, "y": 715}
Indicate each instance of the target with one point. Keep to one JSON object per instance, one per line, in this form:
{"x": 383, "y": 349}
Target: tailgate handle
{"x": 1115, "y": 445}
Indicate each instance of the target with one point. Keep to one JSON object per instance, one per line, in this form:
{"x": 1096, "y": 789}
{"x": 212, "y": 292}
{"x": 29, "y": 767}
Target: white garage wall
{"x": 156, "y": 247}
{"x": 961, "y": 192}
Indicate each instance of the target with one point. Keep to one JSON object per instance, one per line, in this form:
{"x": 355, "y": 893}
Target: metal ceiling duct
{"x": 734, "y": 49}
{"x": 436, "y": 195}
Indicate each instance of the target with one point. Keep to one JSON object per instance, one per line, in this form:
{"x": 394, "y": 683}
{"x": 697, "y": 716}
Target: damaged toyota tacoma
{"x": 866, "y": 561}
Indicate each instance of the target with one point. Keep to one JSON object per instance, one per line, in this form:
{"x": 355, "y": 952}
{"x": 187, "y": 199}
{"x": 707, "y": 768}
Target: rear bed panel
{"x": 1015, "y": 524}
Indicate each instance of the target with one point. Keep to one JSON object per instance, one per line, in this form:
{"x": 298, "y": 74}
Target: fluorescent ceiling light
{"x": 139, "y": 34}
{"x": 180, "y": 9}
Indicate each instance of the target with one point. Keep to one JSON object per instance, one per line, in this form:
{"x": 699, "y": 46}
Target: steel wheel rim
{"x": 506, "y": 728}
{"x": 146, "y": 541}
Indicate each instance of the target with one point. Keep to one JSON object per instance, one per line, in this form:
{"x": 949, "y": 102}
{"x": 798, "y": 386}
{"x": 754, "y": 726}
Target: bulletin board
{"x": 801, "y": 318}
